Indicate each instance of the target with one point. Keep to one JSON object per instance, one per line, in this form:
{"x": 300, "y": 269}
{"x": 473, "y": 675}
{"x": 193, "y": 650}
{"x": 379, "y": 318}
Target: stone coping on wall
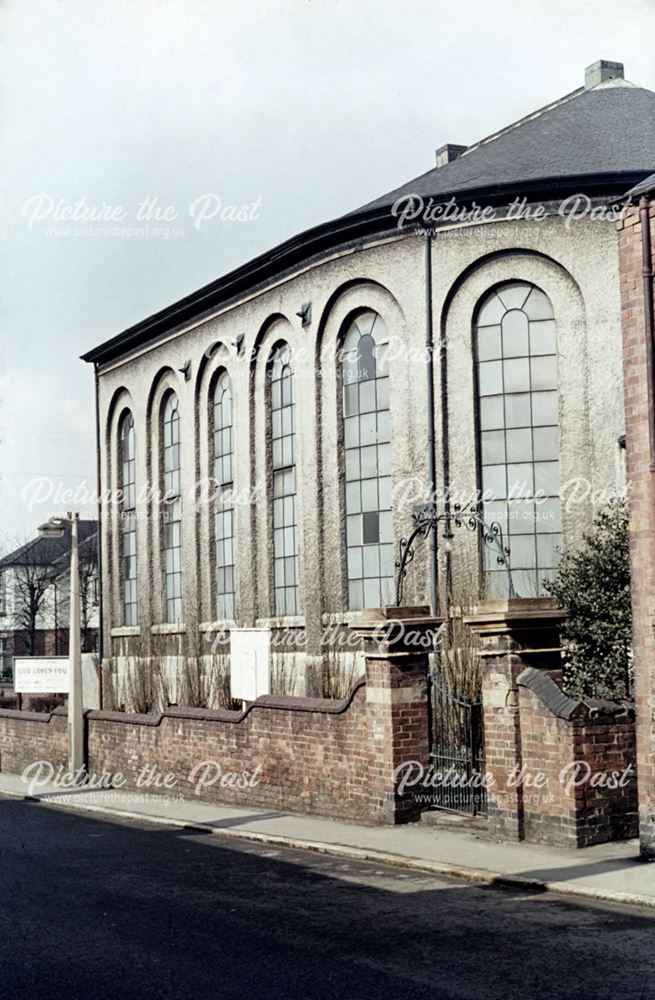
{"x": 26, "y": 716}
{"x": 564, "y": 707}
{"x": 324, "y": 706}
{"x": 16, "y": 713}
{"x": 515, "y": 613}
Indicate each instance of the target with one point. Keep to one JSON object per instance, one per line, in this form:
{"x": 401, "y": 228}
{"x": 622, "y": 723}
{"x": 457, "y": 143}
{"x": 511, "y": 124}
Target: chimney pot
{"x": 601, "y": 71}
{"x": 448, "y": 153}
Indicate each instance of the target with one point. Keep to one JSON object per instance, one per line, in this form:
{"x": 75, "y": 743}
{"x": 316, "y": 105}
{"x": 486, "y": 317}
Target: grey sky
{"x": 311, "y": 106}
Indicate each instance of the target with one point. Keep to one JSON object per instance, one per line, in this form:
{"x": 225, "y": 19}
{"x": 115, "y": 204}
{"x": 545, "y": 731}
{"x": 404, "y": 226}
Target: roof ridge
{"x": 578, "y": 92}
{"x": 20, "y": 551}
{"x": 526, "y": 118}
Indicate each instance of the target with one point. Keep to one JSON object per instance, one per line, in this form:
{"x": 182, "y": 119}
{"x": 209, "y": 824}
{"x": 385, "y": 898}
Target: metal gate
{"x": 457, "y": 751}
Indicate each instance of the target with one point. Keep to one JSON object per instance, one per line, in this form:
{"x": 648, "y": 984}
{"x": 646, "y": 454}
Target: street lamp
{"x": 55, "y": 528}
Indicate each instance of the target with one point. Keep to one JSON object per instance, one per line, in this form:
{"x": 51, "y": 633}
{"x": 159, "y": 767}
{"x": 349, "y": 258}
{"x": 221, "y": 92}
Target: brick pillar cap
{"x": 516, "y": 611}
{"x": 394, "y": 630}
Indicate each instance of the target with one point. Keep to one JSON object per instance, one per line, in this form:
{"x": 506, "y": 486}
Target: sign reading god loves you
{"x": 41, "y": 674}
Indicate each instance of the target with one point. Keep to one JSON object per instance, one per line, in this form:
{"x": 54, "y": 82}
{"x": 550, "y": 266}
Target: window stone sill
{"x": 125, "y": 630}
{"x": 219, "y": 625}
{"x": 342, "y": 618}
{"x": 168, "y": 628}
{"x": 282, "y": 621}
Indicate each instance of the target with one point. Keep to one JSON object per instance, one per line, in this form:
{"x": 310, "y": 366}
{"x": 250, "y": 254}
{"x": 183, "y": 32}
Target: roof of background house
{"x": 50, "y": 551}
{"x": 599, "y": 140}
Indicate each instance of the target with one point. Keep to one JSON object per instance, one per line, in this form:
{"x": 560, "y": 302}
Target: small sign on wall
{"x": 250, "y": 672}
{"x": 41, "y": 674}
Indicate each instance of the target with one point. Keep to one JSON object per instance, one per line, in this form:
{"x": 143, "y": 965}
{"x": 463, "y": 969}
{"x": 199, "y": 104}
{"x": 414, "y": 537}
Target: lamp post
{"x": 55, "y": 528}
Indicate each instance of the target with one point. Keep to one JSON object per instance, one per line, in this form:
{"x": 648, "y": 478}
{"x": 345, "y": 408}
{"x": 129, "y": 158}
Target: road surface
{"x": 95, "y": 908}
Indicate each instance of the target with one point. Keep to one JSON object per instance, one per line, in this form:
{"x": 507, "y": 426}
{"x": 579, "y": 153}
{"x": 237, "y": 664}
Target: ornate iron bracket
{"x": 426, "y": 519}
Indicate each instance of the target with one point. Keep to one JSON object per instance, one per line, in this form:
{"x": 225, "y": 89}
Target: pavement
{"x": 611, "y": 872}
{"x": 99, "y": 907}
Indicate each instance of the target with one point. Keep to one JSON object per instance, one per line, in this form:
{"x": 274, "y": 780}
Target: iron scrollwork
{"x": 426, "y": 519}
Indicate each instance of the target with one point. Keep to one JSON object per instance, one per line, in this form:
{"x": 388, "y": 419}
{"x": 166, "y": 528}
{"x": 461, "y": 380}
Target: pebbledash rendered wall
{"x": 576, "y": 266}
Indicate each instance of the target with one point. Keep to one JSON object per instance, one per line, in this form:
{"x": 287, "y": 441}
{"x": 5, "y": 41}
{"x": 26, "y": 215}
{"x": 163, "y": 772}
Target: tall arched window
{"x": 283, "y": 456}
{"x": 172, "y": 534}
{"x": 223, "y": 476}
{"x": 367, "y": 443}
{"x": 128, "y": 520}
{"x": 519, "y": 433}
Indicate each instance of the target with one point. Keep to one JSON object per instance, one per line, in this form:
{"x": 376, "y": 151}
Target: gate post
{"x": 513, "y": 634}
{"x": 397, "y": 643}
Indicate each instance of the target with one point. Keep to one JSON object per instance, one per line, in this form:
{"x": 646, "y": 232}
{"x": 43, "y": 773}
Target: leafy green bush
{"x": 593, "y": 584}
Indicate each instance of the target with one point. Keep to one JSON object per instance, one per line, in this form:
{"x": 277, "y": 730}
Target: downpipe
{"x": 432, "y": 463}
{"x": 647, "y": 279}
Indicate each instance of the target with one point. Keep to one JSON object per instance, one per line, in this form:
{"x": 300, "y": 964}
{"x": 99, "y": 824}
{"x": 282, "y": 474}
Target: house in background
{"x": 34, "y": 597}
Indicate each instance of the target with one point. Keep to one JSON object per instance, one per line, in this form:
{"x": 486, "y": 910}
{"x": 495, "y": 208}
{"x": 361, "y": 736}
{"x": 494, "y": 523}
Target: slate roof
{"x": 599, "y": 141}
{"x": 606, "y": 131}
{"x": 53, "y": 551}
{"x": 645, "y": 187}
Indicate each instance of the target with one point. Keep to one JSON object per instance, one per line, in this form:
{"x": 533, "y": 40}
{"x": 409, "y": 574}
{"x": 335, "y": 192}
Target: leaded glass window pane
{"x": 519, "y": 433}
{"x": 283, "y": 459}
{"x": 172, "y": 517}
{"x": 367, "y": 444}
{"x": 128, "y": 520}
{"x": 223, "y": 459}
{"x": 489, "y": 343}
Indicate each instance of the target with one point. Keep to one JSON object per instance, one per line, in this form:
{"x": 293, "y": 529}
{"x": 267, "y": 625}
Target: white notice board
{"x": 41, "y": 674}
{"x": 250, "y": 673}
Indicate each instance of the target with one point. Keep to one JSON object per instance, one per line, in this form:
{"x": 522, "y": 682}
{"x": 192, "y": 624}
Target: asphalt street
{"x": 92, "y": 908}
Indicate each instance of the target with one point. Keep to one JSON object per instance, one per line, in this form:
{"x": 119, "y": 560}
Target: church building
{"x": 265, "y": 441}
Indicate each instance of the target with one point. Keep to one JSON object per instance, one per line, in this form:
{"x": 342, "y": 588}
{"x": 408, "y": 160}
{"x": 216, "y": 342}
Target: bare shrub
{"x": 111, "y": 687}
{"x": 338, "y": 673}
{"x": 205, "y": 676}
{"x": 195, "y": 679}
{"x": 147, "y": 681}
{"x": 283, "y": 674}
{"x": 221, "y": 692}
{"x": 458, "y": 663}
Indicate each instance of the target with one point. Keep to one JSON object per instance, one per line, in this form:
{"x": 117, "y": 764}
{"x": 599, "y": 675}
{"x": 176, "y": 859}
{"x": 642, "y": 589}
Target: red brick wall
{"x": 398, "y": 731}
{"x": 642, "y": 512}
{"x": 534, "y": 731}
{"x": 588, "y": 811}
{"x": 300, "y": 754}
{"x": 313, "y": 754}
{"x": 29, "y": 736}
{"x": 502, "y": 737}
